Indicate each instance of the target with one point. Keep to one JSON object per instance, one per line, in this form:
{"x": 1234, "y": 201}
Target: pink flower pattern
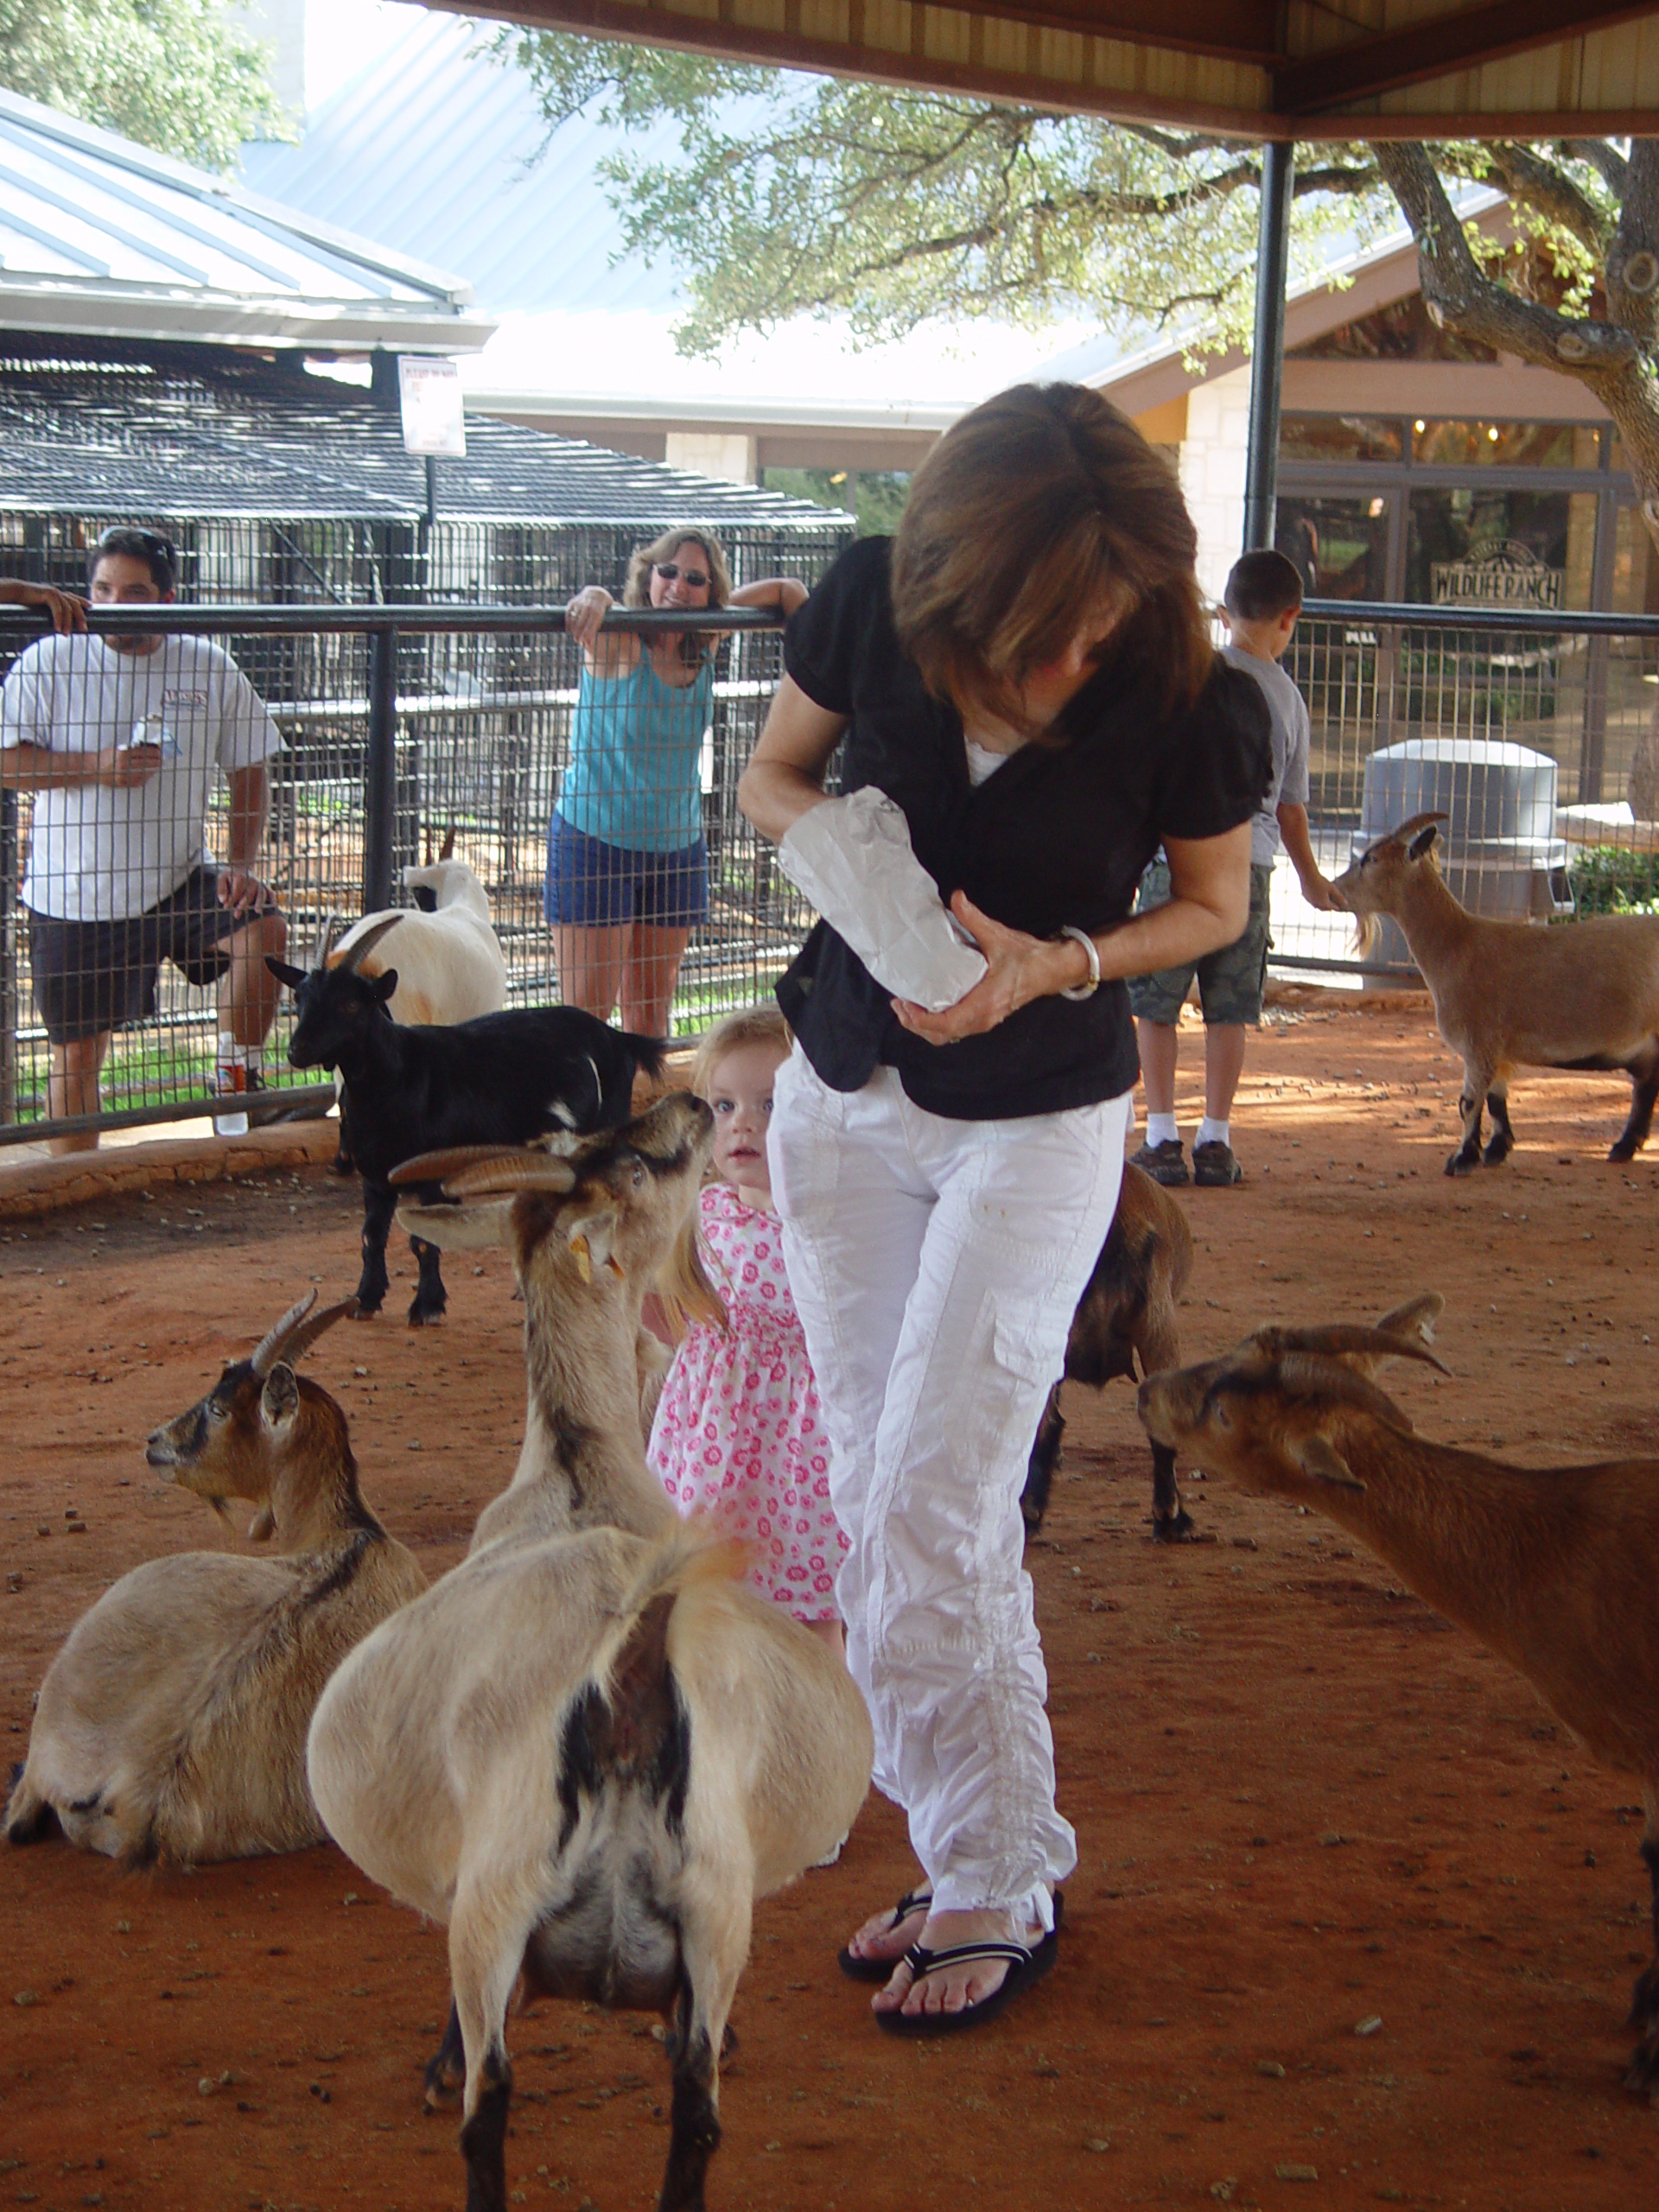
{"x": 739, "y": 1431}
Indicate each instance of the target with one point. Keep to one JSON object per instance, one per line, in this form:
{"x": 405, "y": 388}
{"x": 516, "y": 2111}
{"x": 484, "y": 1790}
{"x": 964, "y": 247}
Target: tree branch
{"x": 1525, "y": 176}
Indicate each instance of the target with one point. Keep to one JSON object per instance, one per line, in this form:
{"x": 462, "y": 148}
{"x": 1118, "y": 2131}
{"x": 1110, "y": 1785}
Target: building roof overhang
{"x": 1410, "y": 69}
{"x": 102, "y": 238}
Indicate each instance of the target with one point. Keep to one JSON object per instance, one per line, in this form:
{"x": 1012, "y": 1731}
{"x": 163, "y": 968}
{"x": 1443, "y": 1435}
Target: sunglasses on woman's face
{"x": 668, "y": 570}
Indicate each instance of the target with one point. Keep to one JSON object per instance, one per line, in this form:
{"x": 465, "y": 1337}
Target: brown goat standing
{"x": 1508, "y": 994}
{"x": 172, "y": 1724}
{"x": 1128, "y": 1307}
{"x": 1554, "y": 1568}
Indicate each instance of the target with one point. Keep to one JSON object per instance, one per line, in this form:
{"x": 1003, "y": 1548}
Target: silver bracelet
{"x": 1082, "y": 990}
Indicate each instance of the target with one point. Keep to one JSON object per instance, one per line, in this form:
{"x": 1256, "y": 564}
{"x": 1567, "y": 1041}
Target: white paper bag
{"x": 852, "y": 858}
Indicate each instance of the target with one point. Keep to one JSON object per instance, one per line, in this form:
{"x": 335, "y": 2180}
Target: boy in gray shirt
{"x": 1263, "y": 599}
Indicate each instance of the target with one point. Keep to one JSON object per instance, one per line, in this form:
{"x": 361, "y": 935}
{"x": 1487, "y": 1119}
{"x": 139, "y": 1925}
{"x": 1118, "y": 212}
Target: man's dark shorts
{"x": 1229, "y": 982}
{"x": 90, "y": 977}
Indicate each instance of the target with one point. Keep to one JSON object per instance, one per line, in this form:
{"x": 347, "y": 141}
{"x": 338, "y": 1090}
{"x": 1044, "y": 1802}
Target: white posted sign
{"x": 431, "y": 393}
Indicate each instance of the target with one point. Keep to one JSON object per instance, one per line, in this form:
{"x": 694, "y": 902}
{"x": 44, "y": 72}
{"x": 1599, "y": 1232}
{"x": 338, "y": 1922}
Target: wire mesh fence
{"x": 1535, "y": 734}
{"x": 597, "y": 811}
{"x": 320, "y": 752}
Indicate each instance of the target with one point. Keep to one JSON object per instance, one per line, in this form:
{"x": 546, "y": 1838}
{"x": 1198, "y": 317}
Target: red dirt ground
{"x": 1303, "y": 1803}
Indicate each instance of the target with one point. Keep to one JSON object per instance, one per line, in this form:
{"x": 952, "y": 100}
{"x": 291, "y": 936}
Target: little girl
{"x": 739, "y": 1432}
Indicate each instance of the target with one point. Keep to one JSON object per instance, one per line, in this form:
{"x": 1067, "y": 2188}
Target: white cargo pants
{"x": 935, "y": 1265}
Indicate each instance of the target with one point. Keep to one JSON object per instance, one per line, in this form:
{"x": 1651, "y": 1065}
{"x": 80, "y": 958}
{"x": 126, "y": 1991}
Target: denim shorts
{"x": 90, "y": 977}
{"x": 1230, "y": 980}
{"x": 591, "y": 885}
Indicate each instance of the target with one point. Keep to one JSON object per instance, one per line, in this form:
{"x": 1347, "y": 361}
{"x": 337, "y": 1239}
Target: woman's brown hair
{"x": 1034, "y": 510}
{"x": 683, "y": 1284}
{"x": 695, "y": 644}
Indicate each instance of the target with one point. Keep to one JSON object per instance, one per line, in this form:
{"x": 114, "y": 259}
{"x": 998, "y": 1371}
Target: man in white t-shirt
{"x": 121, "y": 739}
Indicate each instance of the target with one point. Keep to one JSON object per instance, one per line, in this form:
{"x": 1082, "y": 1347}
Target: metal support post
{"x": 380, "y": 770}
{"x": 1268, "y": 360}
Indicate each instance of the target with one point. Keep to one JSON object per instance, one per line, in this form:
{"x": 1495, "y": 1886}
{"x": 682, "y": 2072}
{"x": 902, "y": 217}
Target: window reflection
{"x": 1339, "y": 437}
{"x": 1505, "y": 445}
{"x": 1339, "y": 545}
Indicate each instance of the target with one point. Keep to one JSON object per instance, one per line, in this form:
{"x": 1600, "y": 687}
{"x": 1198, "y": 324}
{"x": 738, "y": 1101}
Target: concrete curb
{"x": 36, "y": 1186}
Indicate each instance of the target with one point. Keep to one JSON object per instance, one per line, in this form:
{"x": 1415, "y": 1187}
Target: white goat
{"x": 587, "y": 1749}
{"x": 447, "y": 959}
{"x": 1554, "y": 1568}
{"x": 1506, "y": 994}
{"x": 172, "y": 1724}
{"x": 449, "y": 962}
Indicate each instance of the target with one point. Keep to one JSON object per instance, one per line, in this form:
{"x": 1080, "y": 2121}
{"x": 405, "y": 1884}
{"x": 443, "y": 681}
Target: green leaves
{"x": 790, "y": 194}
{"x": 170, "y": 73}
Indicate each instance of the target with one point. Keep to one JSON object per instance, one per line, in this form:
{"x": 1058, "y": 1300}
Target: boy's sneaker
{"x": 1213, "y": 1165}
{"x": 1165, "y": 1163}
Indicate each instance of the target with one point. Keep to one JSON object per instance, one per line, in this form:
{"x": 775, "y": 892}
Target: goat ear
{"x": 279, "y": 1400}
{"x": 1321, "y": 1462}
{"x": 1422, "y": 842}
{"x": 592, "y": 1238}
{"x": 262, "y": 1526}
{"x": 284, "y": 974}
{"x": 475, "y": 1225}
{"x": 383, "y": 984}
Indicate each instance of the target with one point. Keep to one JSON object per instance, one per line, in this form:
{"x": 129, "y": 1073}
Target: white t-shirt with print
{"x": 97, "y": 854}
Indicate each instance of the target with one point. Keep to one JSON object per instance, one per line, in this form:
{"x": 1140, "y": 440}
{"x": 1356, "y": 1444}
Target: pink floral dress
{"x": 739, "y": 1431}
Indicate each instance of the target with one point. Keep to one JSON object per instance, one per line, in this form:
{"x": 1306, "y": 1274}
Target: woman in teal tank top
{"x": 626, "y": 868}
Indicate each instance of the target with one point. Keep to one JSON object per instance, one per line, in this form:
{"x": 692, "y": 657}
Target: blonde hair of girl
{"x": 683, "y": 1283}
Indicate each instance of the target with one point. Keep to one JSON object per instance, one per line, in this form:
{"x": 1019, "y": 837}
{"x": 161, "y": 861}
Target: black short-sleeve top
{"x": 1058, "y": 834}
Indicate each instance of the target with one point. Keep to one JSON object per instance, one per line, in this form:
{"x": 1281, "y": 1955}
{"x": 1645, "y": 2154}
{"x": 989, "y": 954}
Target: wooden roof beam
{"x": 1437, "y": 47}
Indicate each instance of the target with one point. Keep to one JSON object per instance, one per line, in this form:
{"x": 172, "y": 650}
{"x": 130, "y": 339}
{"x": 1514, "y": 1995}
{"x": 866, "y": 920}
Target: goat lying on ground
{"x": 1127, "y": 1307}
{"x": 1554, "y": 1568}
{"x": 444, "y": 949}
{"x": 172, "y": 1724}
{"x": 587, "y": 1748}
{"x": 499, "y": 1080}
{"x": 1507, "y": 994}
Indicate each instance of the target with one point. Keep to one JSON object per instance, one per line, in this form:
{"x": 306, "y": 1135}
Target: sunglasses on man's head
{"x": 151, "y": 540}
{"x": 668, "y": 570}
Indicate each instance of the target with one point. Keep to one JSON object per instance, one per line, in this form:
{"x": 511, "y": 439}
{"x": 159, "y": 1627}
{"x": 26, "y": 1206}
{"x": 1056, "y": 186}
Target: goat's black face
{"x": 333, "y": 1006}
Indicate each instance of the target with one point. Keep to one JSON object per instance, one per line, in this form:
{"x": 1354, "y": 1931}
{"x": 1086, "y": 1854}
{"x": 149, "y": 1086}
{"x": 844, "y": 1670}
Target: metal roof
{"x": 99, "y": 236}
{"x": 188, "y": 430}
{"x": 433, "y": 150}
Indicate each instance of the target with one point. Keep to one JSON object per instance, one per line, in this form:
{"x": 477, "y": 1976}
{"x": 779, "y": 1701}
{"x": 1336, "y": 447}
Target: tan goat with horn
{"x": 172, "y": 1724}
{"x": 587, "y": 1749}
{"x": 1554, "y": 1568}
{"x": 1584, "y": 995}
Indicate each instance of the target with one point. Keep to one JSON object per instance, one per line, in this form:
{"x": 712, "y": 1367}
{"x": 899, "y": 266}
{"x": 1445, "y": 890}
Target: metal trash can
{"x": 1500, "y": 856}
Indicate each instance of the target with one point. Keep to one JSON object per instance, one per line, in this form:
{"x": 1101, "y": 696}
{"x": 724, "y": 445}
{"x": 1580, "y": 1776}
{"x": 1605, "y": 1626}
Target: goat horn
{"x": 512, "y": 1170}
{"x": 270, "y": 1347}
{"x": 1375, "y": 1344}
{"x": 366, "y": 944}
{"x": 434, "y": 1166}
{"x": 305, "y": 1338}
{"x": 448, "y": 852}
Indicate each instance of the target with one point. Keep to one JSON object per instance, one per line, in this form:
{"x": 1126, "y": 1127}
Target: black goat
{"x": 502, "y": 1079}
{"x": 1128, "y": 1307}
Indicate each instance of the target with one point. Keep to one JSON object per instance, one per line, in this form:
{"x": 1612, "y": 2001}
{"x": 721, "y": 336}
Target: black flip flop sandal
{"x": 857, "y": 1969}
{"x": 1025, "y": 1965}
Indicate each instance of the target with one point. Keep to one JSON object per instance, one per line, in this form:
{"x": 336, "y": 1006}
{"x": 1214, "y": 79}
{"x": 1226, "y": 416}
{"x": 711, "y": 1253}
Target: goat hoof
{"x": 1642, "y": 2080}
{"x": 1177, "y": 1529}
{"x": 1622, "y": 1151}
{"x": 423, "y": 1317}
{"x": 1495, "y": 1155}
{"x": 1463, "y": 1163}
